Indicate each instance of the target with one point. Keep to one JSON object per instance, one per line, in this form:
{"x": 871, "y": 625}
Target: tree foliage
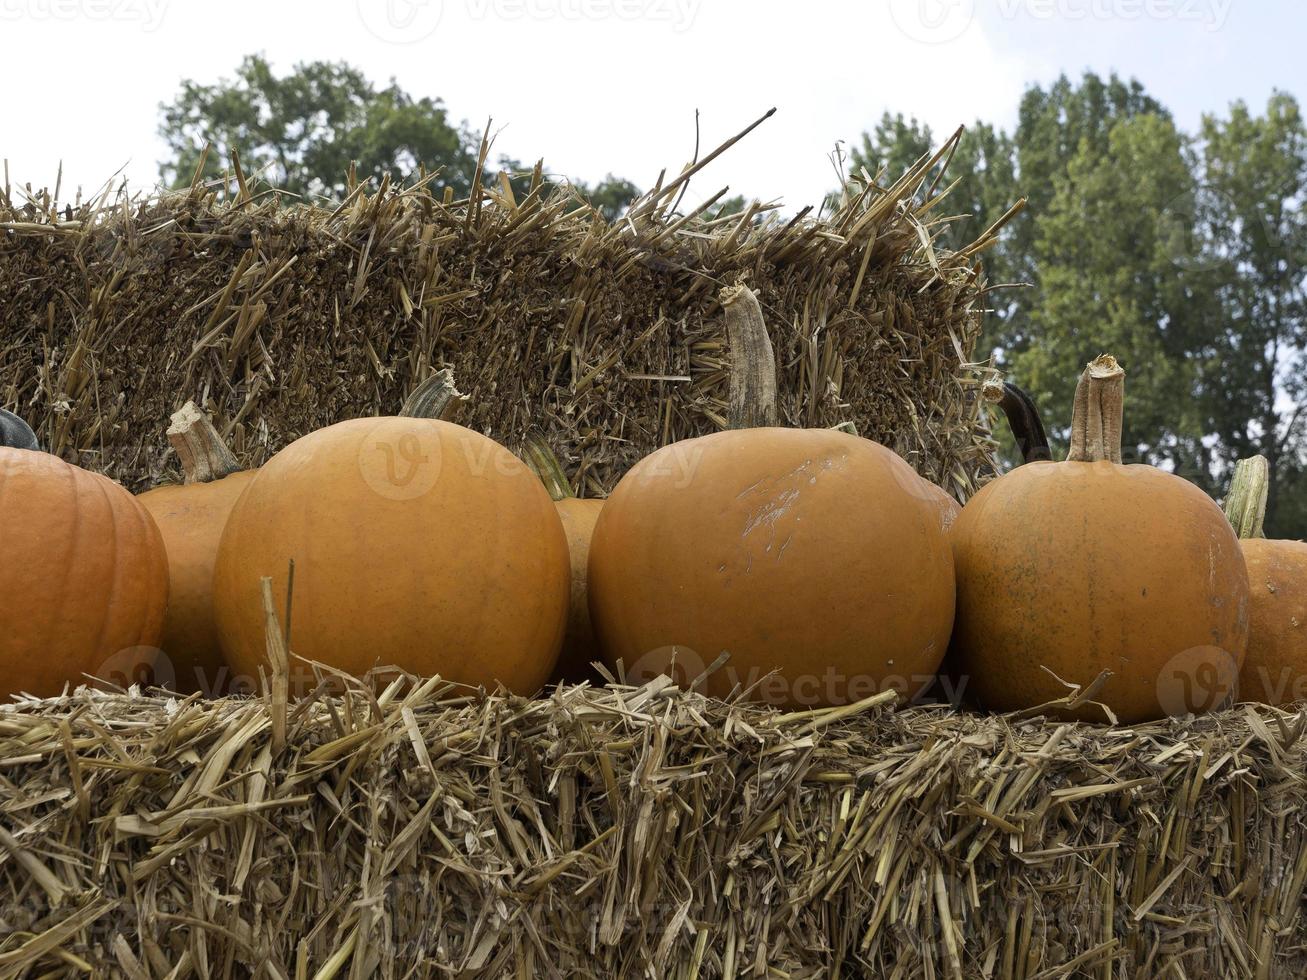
{"x": 302, "y": 132}
{"x": 1184, "y": 254}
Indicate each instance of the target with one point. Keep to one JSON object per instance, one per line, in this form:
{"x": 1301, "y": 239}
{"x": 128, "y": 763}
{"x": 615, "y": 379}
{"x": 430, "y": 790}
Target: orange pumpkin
{"x": 1275, "y": 670}
{"x": 417, "y": 544}
{"x": 1067, "y": 570}
{"x": 83, "y": 581}
{"x": 807, "y": 551}
{"x": 580, "y": 649}
{"x": 191, "y": 517}
{"x": 946, "y": 507}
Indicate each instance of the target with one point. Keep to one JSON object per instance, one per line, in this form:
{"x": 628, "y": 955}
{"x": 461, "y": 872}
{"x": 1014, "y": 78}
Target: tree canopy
{"x": 302, "y": 131}
{"x": 1181, "y": 253}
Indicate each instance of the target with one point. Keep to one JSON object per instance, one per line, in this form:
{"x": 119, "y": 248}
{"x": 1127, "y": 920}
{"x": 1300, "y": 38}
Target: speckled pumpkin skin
{"x": 1275, "y": 670}
{"x": 191, "y": 518}
{"x": 83, "y": 578}
{"x": 417, "y": 544}
{"x": 814, "y": 552}
{"x": 1086, "y": 566}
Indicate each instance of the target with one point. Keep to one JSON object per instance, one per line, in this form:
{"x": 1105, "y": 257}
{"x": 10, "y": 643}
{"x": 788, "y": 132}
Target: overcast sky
{"x": 596, "y": 86}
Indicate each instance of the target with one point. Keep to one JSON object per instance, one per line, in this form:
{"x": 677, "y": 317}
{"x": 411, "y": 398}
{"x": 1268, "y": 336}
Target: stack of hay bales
{"x": 607, "y": 336}
{"x": 405, "y": 830}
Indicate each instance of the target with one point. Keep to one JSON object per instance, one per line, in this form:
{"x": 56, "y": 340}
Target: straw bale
{"x": 407, "y": 828}
{"x": 609, "y": 338}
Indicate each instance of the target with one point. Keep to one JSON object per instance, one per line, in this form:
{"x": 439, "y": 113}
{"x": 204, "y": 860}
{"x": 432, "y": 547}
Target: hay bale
{"x": 642, "y": 832}
{"x": 609, "y": 337}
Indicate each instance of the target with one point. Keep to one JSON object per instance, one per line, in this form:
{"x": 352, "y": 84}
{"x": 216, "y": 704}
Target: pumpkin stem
{"x": 753, "y": 365}
{"x": 850, "y": 427}
{"x": 203, "y": 454}
{"x": 541, "y": 459}
{"x": 435, "y": 398}
{"x": 15, "y": 433}
{"x": 1246, "y": 504}
{"x": 1022, "y": 418}
{"x": 1096, "y": 418}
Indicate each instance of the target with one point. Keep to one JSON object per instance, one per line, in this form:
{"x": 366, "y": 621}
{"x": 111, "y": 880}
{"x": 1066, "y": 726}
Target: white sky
{"x": 612, "y": 85}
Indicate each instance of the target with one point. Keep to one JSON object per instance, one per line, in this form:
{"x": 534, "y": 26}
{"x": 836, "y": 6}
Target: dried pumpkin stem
{"x": 15, "y": 433}
{"x": 203, "y": 453}
{"x": 1022, "y": 418}
{"x": 753, "y": 364}
{"x": 1096, "y": 417}
{"x": 435, "y": 398}
{"x": 1245, "y": 506}
{"x": 545, "y": 465}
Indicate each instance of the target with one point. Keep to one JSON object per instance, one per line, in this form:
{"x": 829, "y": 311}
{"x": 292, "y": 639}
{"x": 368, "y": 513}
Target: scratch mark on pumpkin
{"x": 770, "y": 512}
{"x": 781, "y": 493}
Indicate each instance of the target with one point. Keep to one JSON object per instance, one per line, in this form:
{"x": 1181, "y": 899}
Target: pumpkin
{"x": 811, "y": 552}
{"x": 946, "y": 508}
{"x": 943, "y": 686}
{"x": 1275, "y": 669}
{"x": 83, "y": 581}
{"x": 1124, "y": 581}
{"x": 191, "y": 517}
{"x": 580, "y": 650}
{"x": 1032, "y": 442}
{"x": 417, "y": 544}
{"x": 15, "y": 433}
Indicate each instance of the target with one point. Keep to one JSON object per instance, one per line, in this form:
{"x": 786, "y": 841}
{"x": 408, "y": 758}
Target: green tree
{"x": 611, "y": 196}
{"x": 300, "y": 132}
{"x": 1183, "y": 255}
{"x": 1055, "y": 125}
{"x": 1105, "y": 280}
{"x": 1250, "y": 244}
